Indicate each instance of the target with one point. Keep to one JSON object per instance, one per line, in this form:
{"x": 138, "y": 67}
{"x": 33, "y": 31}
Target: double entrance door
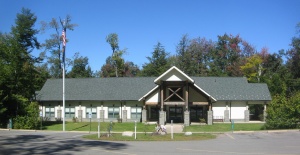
{"x": 176, "y": 114}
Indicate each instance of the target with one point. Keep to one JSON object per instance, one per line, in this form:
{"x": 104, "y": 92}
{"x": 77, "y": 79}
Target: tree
{"x": 113, "y": 40}
{"x": 158, "y": 63}
{"x": 53, "y": 44}
{"x": 253, "y": 68}
{"x": 226, "y": 58}
{"x": 18, "y": 66}
{"x": 293, "y": 61}
{"x": 80, "y": 67}
{"x": 130, "y": 69}
{"x": 283, "y": 112}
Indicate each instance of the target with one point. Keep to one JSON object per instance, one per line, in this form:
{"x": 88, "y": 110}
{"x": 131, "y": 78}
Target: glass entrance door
{"x": 196, "y": 113}
{"x": 176, "y": 114}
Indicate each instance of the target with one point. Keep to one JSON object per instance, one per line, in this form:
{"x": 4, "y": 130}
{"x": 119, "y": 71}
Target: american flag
{"x": 64, "y": 37}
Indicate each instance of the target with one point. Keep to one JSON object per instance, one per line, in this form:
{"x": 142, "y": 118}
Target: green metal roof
{"x": 115, "y": 89}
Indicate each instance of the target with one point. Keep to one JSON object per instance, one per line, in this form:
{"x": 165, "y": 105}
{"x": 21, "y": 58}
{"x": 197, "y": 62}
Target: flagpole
{"x": 63, "y": 52}
{"x": 63, "y": 111}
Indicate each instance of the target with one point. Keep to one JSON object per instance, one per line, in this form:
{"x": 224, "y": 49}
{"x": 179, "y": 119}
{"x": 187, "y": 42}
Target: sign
{"x": 90, "y": 114}
{"x": 200, "y": 103}
{"x": 174, "y": 103}
{"x": 41, "y": 114}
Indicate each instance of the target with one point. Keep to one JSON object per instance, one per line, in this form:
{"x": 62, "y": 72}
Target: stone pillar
{"x": 124, "y": 118}
{"x": 209, "y": 117}
{"x": 101, "y": 115}
{"x": 265, "y": 112}
{"x": 247, "y": 116}
{"x": 144, "y": 115}
{"x": 186, "y": 118}
{"x": 226, "y": 116}
{"x": 247, "y": 113}
{"x": 80, "y": 115}
{"x": 59, "y": 114}
{"x": 161, "y": 117}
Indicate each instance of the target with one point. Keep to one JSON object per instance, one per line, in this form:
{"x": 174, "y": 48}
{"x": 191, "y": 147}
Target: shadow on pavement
{"x": 42, "y": 144}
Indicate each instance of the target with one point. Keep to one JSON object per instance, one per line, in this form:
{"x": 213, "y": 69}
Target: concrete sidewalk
{"x": 177, "y": 128}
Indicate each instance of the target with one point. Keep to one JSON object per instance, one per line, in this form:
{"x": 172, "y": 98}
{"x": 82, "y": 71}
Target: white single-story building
{"x": 171, "y": 96}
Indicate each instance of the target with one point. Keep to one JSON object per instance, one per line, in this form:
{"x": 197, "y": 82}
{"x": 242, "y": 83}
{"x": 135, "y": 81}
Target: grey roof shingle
{"x": 96, "y": 89}
{"x": 233, "y": 88}
{"x": 106, "y": 89}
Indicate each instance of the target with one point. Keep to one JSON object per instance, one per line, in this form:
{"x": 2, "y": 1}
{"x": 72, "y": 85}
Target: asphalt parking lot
{"x": 69, "y": 143}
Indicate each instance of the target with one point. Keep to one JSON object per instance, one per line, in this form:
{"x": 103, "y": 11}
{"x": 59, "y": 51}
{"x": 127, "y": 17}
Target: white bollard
{"x": 171, "y": 129}
{"x": 134, "y": 129}
{"x": 98, "y": 128}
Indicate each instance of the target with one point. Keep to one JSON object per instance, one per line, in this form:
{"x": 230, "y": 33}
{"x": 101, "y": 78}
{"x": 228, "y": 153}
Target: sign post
{"x": 134, "y": 129}
{"x": 171, "y": 129}
{"x": 90, "y": 116}
{"x": 98, "y": 128}
{"x": 41, "y": 115}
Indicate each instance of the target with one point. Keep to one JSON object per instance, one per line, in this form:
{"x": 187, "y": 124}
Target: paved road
{"x": 67, "y": 143}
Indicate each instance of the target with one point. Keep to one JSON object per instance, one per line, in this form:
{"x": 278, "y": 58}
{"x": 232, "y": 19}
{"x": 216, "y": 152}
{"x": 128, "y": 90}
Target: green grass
{"x": 85, "y": 126}
{"x": 120, "y": 127}
{"x": 225, "y": 127}
{"x": 148, "y": 137}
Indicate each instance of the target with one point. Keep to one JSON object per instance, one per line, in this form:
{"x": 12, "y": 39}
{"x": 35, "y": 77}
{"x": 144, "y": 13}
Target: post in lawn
{"x": 134, "y": 129}
{"x": 171, "y": 129}
{"x": 98, "y": 128}
{"x": 90, "y": 116}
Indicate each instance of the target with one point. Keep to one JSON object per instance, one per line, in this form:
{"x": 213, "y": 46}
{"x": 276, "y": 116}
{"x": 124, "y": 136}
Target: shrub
{"x": 30, "y": 120}
{"x": 283, "y": 113}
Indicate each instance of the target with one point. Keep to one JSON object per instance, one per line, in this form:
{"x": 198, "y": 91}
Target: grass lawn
{"x": 148, "y": 137}
{"x": 85, "y": 126}
{"x": 225, "y": 127}
{"x": 120, "y": 127}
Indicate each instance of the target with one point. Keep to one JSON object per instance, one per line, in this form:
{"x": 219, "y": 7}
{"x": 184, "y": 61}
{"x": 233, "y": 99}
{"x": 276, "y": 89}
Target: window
{"x": 113, "y": 112}
{"x": 70, "y": 112}
{"x": 136, "y": 113}
{"x": 154, "y": 112}
{"x": 196, "y": 113}
{"x": 49, "y": 112}
{"x": 93, "y": 111}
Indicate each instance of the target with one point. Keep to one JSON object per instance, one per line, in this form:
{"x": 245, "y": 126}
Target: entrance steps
{"x": 177, "y": 128}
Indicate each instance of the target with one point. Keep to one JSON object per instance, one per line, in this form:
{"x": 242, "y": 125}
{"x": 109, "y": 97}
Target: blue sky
{"x": 140, "y": 24}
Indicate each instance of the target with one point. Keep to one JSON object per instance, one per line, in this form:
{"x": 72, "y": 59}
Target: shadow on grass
{"x": 79, "y": 127}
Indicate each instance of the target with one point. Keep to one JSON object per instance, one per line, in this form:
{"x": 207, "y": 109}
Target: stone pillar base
{"x": 226, "y": 116}
{"x": 186, "y": 118}
{"x": 80, "y": 115}
{"x": 209, "y": 117}
{"x": 162, "y": 117}
{"x": 265, "y": 115}
{"x": 59, "y": 114}
{"x": 124, "y": 116}
{"x": 101, "y": 115}
{"x": 247, "y": 116}
{"x": 144, "y": 115}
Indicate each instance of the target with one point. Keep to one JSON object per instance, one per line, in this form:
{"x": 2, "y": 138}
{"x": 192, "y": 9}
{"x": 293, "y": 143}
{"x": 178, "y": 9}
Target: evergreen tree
{"x": 18, "y": 78}
{"x": 158, "y": 63}
{"x": 80, "y": 67}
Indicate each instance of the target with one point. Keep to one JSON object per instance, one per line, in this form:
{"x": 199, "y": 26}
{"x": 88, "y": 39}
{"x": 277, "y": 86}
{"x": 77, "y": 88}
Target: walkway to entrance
{"x": 177, "y": 128}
